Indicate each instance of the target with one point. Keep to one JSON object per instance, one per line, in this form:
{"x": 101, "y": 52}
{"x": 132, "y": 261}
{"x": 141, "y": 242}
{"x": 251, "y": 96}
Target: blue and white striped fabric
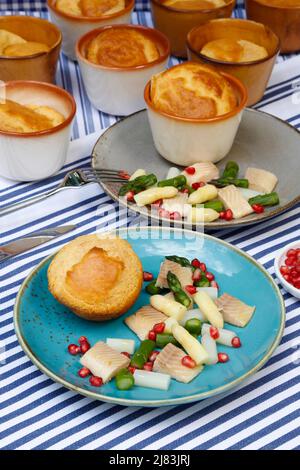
{"x": 36, "y": 413}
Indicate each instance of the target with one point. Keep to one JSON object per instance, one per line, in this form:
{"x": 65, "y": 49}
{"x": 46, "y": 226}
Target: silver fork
{"x": 109, "y": 176}
{"x": 73, "y": 179}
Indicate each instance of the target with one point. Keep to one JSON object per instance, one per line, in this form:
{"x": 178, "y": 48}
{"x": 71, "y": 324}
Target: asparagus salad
{"x": 181, "y": 331}
{"x": 225, "y": 197}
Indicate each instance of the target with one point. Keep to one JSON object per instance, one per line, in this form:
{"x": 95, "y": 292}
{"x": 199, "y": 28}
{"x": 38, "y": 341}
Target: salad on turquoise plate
{"x": 45, "y": 328}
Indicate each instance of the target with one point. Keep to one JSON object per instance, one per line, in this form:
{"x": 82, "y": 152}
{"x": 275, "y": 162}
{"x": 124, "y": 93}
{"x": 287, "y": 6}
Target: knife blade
{"x": 32, "y": 240}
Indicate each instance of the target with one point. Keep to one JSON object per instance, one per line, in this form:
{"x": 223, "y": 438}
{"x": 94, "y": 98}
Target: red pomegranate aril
{"x": 292, "y": 253}
{"x": 96, "y": 381}
{"x": 196, "y": 263}
{"x": 297, "y": 269}
{"x": 84, "y": 347}
{"x": 197, "y": 274}
{"x": 74, "y": 349}
{"x": 190, "y": 170}
{"x": 191, "y": 289}
{"x": 209, "y": 276}
{"x": 223, "y": 357}
{"x": 152, "y": 335}
{"x": 148, "y": 366}
{"x": 185, "y": 191}
{"x": 131, "y": 369}
{"x": 130, "y": 196}
{"x": 284, "y": 270}
{"x": 153, "y": 356}
{"x": 175, "y": 216}
{"x": 123, "y": 174}
{"x": 294, "y": 273}
{"x": 297, "y": 284}
{"x": 159, "y": 327}
{"x": 125, "y": 353}
{"x": 147, "y": 276}
{"x": 214, "y": 332}
{"x": 203, "y": 267}
{"x": 222, "y": 215}
{"x": 157, "y": 203}
{"x": 198, "y": 185}
{"x": 164, "y": 213}
{"x": 214, "y": 284}
{"x": 228, "y": 215}
{"x": 83, "y": 339}
{"x": 287, "y": 277}
{"x": 84, "y": 372}
{"x": 187, "y": 361}
{"x": 290, "y": 261}
{"x": 258, "y": 208}
{"x": 236, "y": 342}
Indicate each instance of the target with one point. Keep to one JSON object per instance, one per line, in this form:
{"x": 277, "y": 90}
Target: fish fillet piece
{"x": 168, "y": 362}
{"x": 177, "y": 204}
{"x": 143, "y": 320}
{"x": 261, "y": 180}
{"x": 233, "y": 199}
{"x": 234, "y": 311}
{"x": 184, "y": 274}
{"x": 205, "y": 171}
{"x": 103, "y": 361}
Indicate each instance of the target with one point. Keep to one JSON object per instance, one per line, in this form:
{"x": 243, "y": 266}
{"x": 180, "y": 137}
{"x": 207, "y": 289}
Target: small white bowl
{"x": 185, "y": 141}
{"x": 73, "y": 27}
{"x": 29, "y": 156}
{"x": 279, "y": 261}
{"x": 120, "y": 90}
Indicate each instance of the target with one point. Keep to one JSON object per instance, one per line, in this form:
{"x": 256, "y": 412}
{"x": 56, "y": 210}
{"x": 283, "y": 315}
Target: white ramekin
{"x": 120, "y": 90}
{"x": 278, "y": 261}
{"x": 36, "y": 155}
{"x": 73, "y": 27}
{"x": 185, "y": 141}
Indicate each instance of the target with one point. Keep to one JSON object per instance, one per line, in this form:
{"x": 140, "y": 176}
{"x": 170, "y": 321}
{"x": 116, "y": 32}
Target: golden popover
{"x": 194, "y": 4}
{"x": 92, "y": 8}
{"x": 16, "y": 117}
{"x": 234, "y": 50}
{"x": 13, "y": 45}
{"x": 97, "y": 277}
{"x": 281, "y": 3}
{"x": 192, "y": 90}
{"x": 122, "y": 47}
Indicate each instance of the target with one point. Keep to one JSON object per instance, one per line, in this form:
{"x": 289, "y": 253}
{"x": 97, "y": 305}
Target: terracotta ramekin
{"x": 176, "y": 24}
{"x": 73, "y": 27}
{"x": 255, "y": 75}
{"x": 284, "y": 21}
{"x": 120, "y": 90}
{"x": 41, "y": 66}
{"x": 185, "y": 141}
{"x": 36, "y": 155}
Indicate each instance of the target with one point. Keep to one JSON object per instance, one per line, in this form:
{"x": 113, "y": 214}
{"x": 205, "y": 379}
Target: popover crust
{"x": 13, "y": 45}
{"x": 194, "y": 4}
{"x": 192, "y": 90}
{"x": 122, "y": 47}
{"x": 281, "y": 3}
{"x": 92, "y": 8}
{"x": 98, "y": 278}
{"x": 232, "y": 50}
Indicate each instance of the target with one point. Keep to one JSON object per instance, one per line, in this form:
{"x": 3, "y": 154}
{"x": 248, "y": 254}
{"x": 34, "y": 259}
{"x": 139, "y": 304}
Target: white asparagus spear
{"x": 139, "y": 172}
{"x": 210, "y": 347}
{"x": 153, "y": 194}
{"x": 194, "y": 313}
{"x": 121, "y": 344}
{"x": 202, "y": 214}
{"x": 144, "y": 378}
{"x": 169, "y": 307}
{"x": 190, "y": 344}
{"x": 209, "y": 309}
{"x": 203, "y": 194}
{"x": 169, "y": 323}
{"x": 211, "y": 291}
{"x": 225, "y": 336}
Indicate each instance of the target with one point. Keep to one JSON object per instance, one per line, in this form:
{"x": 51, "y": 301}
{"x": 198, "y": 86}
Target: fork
{"x": 73, "y": 179}
{"x": 109, "y": 175}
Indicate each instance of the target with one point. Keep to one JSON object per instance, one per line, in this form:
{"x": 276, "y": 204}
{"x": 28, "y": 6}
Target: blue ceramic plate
{"x": 45, "y": 328}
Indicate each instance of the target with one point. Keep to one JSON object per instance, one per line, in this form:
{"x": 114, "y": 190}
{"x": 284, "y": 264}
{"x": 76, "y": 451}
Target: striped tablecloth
{"x": 36, "y": 413}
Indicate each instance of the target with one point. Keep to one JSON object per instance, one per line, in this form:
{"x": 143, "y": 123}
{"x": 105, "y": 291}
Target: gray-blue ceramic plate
{"x": 263, "y": 141}
{"x": 45, "y": 328}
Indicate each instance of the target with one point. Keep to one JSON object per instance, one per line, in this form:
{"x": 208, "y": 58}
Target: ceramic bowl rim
{"x": 288, "y": 287}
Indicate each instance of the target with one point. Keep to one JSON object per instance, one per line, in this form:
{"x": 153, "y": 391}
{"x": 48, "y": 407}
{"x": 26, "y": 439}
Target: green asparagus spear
{"x": 222, "y": 182}
{"x": 271, "y": 199}
{"x": 175, "y": 286}
{"x": 231, "y": 170}
{"x": 142, "y": 354}
{"x": 193, "y": 326}
{"x": 180, "y": 260}
{"x": 202, "y": 283}
{"x": 162, "y": 339}
{"x": 124, "y": 380}
{"x": 138, "y": 184}
{"x": 216, "y": 205}
{"x": 152, "y": 289}
{"x": 177, "y": 182}
{"x": 182, "y": 298}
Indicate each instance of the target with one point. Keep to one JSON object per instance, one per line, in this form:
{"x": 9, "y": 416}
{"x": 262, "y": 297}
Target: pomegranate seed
{"x": 164, "y": 213}
{"x": 198, "y": 185}
{"x": 222, "y": 215}
{"x": 153, "y": 356}
{"x": 130, "y": 196}
{"x": 203, "y": 267}
{"x": 123, "y": 174}
{"x": 83, "y": 339}
{"x": 197, "y": 274}
{"x": 291, "y": 253}
{"x": 84, "y": 347}
{"x": 152, "y": 335}
{"x": 290, "y": 261}
{"x": 236, "y": 342}
{"x": 294, "y": 273}
{"x": 159, "y": 327}
{"x": 287, "y": 277}
{"x": 185, "y": 191}
{"x": 157, "y": 203}
{"x": 96, "y": 381}
{"x": 297, "y": 284}
{"x": 73, "y": 349}
{"x": 196, "y": 263}
{"x": 223, "y": 357}
{"x": 214, "y": 284}
{"x": 147, "y": 276}
{"x": 125, "y": 353}
{"x": 284, "y": 270}
{"x": 175, "y": 216}
{"x": 214, "y": 332}
{"x": 84, "y": 372}
{"x": 190, "y": 170}
{"x": 297, "y": 268}
{"x": 187, "y": 361}
{"x": 228, "y": 215}
{"x": 209, "y": 276}
{"x": 148, "y": 366}
{"x": 191, "y": 289}
{"x": 131, "y": 369}
{"x": 258, "y": 208}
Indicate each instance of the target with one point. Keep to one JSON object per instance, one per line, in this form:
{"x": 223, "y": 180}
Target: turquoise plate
{"x": 45, "y": 328}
